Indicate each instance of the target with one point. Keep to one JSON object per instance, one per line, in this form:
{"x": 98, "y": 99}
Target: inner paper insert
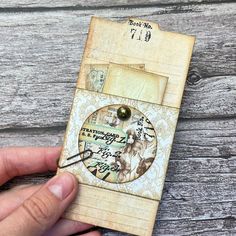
{"x": 94, "y": 75}
{"x": 136, "y": 84}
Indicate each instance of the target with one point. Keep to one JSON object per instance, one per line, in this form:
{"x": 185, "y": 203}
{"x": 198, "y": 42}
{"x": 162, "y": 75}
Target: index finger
{"x": 17, "y": 161}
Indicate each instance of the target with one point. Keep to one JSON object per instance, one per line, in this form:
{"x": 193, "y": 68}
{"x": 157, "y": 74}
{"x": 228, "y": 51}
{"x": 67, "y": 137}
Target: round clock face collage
{"x": 123, "y": 143}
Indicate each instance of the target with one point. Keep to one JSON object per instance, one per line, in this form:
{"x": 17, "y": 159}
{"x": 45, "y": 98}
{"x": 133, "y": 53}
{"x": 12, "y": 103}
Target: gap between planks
{"x": 100, "y": 5}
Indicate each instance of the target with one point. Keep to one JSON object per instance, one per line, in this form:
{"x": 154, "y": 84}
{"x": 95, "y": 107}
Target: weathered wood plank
{"x": 179, "y": 207}
{"x": 192, "y": 196}
{"x": 41, "y": 104}
{"x": 197, "y": 186}
{"x": 209, "y": 97}
{"x": 219, "y": 227}
{"x": 48, "y": 46}
{"x": 204, "y": 151}
{"x": 207, "y": 188}
{"x": 78, "y": 4}
{"x": 187, "y": 180}
{"x": 199, "y": 195}
{"x": 40, "y": 56}
{"x": 213, "y": 138}
{"x": 39, "y": 60}
{"x": 193, "y": 139}
{"x": 177, "y": 212}
{"x": 32, "y": 137}
{"x": 176, "y": 204}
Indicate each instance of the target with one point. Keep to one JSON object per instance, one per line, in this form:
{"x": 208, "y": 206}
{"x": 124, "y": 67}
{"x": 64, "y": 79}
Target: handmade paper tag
{"x": 140, "y": 42}
{"x": 128, "y": 156}
{"x": 122, "y": 123}
{"x": 135, "y": 84}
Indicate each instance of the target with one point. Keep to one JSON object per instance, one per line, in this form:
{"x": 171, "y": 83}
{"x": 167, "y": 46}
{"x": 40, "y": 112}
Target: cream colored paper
{"x": 162, "y": 118}
{"x": 140, "y": 42}
{"x": 163, "y": 53}
{"x": 135, "y": 84}
{"x": 95, "y": 75}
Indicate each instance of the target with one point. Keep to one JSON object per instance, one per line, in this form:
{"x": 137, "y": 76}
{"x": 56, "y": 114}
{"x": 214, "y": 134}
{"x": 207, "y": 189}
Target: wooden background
{"x": 41, "y": 46}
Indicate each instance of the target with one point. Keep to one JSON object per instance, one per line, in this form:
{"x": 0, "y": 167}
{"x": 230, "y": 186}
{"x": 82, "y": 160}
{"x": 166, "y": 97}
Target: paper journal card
{"x": 122, "y": 122}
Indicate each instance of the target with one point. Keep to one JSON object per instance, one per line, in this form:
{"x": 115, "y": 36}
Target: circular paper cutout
{"x": 123, "y": 150}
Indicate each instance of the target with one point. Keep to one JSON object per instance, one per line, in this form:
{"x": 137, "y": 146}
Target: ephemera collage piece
{"x": 126, "y": 154}
{"x": 95, "y": 75}
{"x": 123, "y": 120}
{"x": 123, "y": 150}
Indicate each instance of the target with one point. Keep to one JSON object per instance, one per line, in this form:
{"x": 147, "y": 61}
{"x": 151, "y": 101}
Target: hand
{"x": 36, "y": 210}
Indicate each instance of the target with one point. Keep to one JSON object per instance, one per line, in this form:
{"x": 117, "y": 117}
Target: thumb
{"x": 40, "y": 212}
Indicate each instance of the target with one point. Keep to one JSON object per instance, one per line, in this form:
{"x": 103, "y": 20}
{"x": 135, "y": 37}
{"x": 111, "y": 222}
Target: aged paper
{"x": 95, "y": 75}
{"x": 145, "y": 86}
{"x": 124, "y": 161}
{"x": 140, "y": 42}
{"x": 128, "y": 156}
{"x": 113, "y": 210}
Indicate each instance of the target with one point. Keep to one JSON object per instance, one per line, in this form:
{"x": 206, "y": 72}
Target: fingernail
{"x": 62, "y": 185}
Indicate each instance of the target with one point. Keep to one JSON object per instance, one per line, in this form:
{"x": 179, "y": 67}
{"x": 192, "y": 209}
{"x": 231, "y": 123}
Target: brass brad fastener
{"x": 123, "y": 113}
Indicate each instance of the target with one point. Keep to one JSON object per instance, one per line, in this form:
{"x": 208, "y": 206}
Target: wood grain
{"x": 39, "y": 67}
{"x": 199, "y": 189}
{"x": 54, "y": 41}
{"x": 42, "y": 104}
{"x": 204, "y": 151}
{"x": 78, "y": 4}
{"x": 41, "y": 47}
